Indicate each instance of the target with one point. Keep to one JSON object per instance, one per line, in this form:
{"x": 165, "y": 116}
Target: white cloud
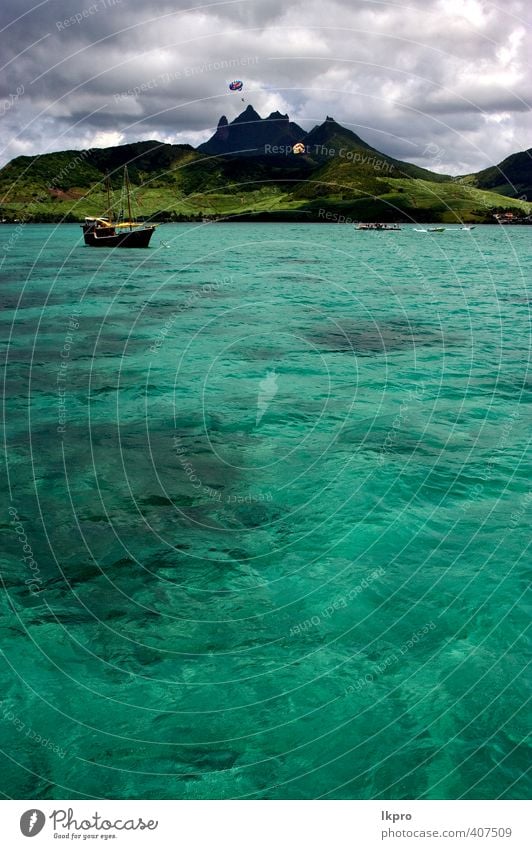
{"x": 401, "y": 74}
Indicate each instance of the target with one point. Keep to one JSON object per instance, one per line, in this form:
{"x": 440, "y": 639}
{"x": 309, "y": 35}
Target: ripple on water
{"x": 277, "y": 565}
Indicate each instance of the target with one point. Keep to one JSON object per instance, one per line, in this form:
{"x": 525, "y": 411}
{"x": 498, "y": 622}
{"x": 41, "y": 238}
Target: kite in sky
{"x": 237, "y": 85}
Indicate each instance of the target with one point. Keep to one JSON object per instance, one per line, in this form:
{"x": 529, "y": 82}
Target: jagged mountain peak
{"x": 250, "y": 135}
{"x": 330, "y": 130}
{"x": 249, "y": 114}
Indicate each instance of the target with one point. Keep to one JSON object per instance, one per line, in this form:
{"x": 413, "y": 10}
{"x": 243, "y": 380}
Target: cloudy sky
{"x": 443, "y": 83}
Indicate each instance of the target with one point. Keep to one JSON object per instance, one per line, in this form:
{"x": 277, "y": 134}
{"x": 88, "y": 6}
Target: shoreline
{"x": 264, "y": 219}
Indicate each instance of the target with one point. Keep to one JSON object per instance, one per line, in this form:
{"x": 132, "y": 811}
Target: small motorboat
{"x": 377, "y": 226}
{"x": 436, "y": 230}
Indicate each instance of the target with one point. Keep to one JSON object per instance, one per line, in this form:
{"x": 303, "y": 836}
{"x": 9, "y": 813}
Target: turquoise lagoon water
{"x": 272, "y": 482}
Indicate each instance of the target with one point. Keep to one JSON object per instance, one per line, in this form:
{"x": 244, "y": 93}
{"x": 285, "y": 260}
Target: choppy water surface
{"x": 269, "y": 511}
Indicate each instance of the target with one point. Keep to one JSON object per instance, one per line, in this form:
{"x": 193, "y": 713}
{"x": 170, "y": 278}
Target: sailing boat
{"x": 103, "y": 232}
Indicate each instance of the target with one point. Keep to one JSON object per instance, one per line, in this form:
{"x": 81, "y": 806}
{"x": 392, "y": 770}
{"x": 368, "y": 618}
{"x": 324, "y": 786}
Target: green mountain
{"x": 511, "y": 177}
{"x": 330, "y": 141}
{"x": 337, "y": 175}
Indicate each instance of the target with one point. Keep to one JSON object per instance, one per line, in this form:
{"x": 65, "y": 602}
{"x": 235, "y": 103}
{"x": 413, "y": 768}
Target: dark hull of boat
{"x": 130, "y": 239}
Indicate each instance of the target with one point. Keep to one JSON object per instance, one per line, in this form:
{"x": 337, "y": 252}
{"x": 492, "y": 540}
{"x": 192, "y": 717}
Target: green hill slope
{"x": 331, "y": 142}
{"x": 511, "y": 177}
{"x": 338, "y": 173}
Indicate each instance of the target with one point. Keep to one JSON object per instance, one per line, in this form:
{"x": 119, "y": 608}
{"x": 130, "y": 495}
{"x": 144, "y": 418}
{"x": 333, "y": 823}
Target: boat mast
{"x": 108, "y": 186}
{"x": 126, "y": 179}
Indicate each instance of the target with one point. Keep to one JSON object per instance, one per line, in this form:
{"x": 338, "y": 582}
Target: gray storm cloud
{"x": 406, "y": 76}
